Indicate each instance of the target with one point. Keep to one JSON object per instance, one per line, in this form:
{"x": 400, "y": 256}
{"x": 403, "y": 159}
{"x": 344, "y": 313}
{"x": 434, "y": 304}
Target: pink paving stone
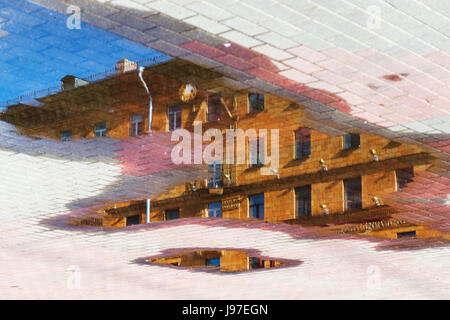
{"x": 302, "y": 65}
{"x": 386, "y": 124}
{"x": 440, "y": 58}
{"x": 234, "y": 62}
{"x": 308, "y": 53}
{"x": 342, "y": 55}
{"x": 417, "y": 91}
{"x": 202, "y": 49}
{"x": 427, "y": 81}
{"x": 297, "y": 76}
{"x": 341, "y": 106}
{"x": 381, "y": 100}
{"x": 324, "y": 85}
{"x": 330, "y": 77}
{"x": 264, "y": 74}
{"x": 397, "y": 117}
{"x": 239, "y": 51}
{"x": 411, "y": 101}
{"x": 331, "y": 64}
{"x": 373, "y": 108}
{"x": 439, "y": 102}
{"x": 357, "y": 88}
{"x": 321, "y": 96}
{"x": 265, "y": 63}
{"x": 293, "y": 85}
{"x": 368, "y": 117}
{"x": 443, "y": 91}
{"x": 371, "y": 52}
{"x": 351, "y": 98}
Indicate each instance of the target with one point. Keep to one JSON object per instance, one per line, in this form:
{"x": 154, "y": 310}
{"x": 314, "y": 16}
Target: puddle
{"x": 220, "y": 260}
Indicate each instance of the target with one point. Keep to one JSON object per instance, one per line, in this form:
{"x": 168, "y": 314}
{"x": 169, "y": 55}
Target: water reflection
{"x": 218, "y": 260}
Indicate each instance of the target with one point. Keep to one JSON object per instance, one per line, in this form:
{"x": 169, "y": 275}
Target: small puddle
{"x": 223, "y": 260}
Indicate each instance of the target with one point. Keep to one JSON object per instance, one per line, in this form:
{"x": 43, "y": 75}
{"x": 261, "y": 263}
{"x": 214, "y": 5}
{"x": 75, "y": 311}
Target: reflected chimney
{"x": 72, "y": 82}
{"x": 125, "y": 65}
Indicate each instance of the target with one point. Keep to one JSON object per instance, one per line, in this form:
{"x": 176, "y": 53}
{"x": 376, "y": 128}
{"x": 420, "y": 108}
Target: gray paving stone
{"x": 132, "y": 21}
{"x": 132, "y": 34}
{"x": 169, "y": 23}
{"x": 168, "y": 36}
{"x": 202, "y": 61}
{"x": 97, "y": 21}
{"x": 168, "y": 48}
{"x": 233, "y": 73}
{"x": 203, "y": 37}
{"x": 93, "y": 6}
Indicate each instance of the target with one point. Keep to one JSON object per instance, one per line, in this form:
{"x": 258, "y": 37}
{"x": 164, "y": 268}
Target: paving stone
{"x": 168, "y": 36}
{"x": 171, "y": 9}
{"x": 203, "y": 37}
{"x": 169, "y": 23}
{"x": 202, "y": 61}
{"x": 207, "y": 24}
{"x": 244, "y": 26}
{"x": 168, "y": 48}
{"x": 132, "y": 21}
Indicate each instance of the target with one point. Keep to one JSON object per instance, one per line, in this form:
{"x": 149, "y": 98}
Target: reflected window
{"x": 256, "y": 102}
{"x": 404, "y": 176}
{"x": 303, "y": 201}
{"x": 215, "y": 210}
{"x": 256, "y": 203}
{"x": 256, "y": 150}
{"x": 100, "y": 129}
{"x": 302, "y": 143}
{"x": 174, "y": 117}
{"x": 136, "y": 125}
{"x": 131, "y": 220}
{"x": 213, "y": 262}
{"x": 66, "y": 135}
{"x": 351, "y": 141}
{"x": 172, "y": 214}
{"x": 216, "y": 180}
{"x": 352, "y": 190}
{"x": 214, "y": 107}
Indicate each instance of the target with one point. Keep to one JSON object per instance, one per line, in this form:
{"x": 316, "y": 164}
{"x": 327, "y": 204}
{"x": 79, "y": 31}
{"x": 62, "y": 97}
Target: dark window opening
{"x": 256, "y": 263}
{"x": 214, "y": 107}
{"x": 351, "y": 141}
{"x": 303, "y": 201}
{"x": 257, "y": 206}
{"x": 136, "y": 125}
{"x": 404, "y": 176}
{"x": 407, "y": 234}
{"x": 100, "y": 129}
{"x": 131, "y": 220}
{"x": 257, "y": 152}
{"x": 352, "y": 190}
{"x": 172, "y": 214}
{"x": 213, "y": 262}
{"x": 256, "y": 102}
{"x": 174, "y": 117}
{"x": 216, "y": 180}
{"x": 302, "y": 143}
{"x": 66, "y": 135}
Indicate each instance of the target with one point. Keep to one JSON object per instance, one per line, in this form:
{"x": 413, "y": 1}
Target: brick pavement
{"x": 392, "y": 81}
